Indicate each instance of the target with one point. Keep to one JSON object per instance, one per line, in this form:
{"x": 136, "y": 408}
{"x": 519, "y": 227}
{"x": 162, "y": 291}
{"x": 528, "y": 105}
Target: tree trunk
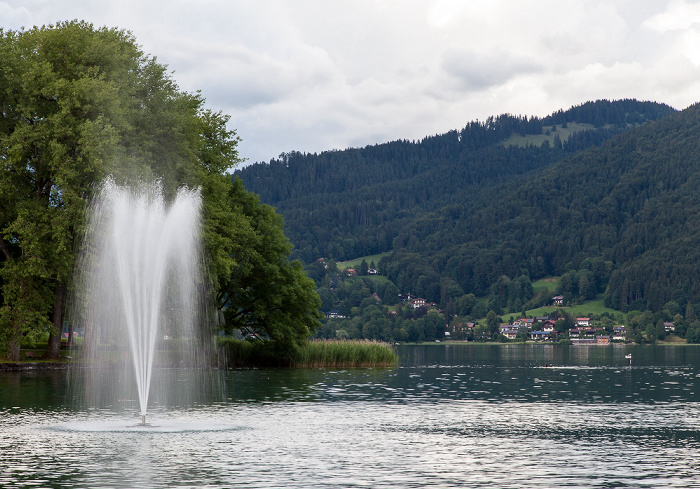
{"x": 54, "y": 348}
{"x": 13, "y": 345}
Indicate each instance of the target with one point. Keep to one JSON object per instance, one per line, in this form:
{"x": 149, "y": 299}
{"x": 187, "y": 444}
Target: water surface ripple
{"x": 447, "y": 416}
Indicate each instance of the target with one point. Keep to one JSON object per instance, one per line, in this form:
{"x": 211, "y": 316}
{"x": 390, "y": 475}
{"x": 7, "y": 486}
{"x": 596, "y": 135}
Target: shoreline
{"x": 28, "y": 366}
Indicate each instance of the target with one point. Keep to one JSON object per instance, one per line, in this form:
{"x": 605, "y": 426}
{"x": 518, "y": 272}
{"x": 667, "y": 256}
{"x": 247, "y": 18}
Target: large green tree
{"x": 58, "y": 86}
{"x": 78, "y": 104}
{"x": 261, "y": 292}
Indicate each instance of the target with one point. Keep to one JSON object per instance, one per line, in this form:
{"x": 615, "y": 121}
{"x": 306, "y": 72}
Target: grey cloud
{"x": 478, "y": 71}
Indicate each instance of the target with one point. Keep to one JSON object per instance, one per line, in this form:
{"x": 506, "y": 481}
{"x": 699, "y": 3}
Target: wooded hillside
{"x": 612, "y": 207}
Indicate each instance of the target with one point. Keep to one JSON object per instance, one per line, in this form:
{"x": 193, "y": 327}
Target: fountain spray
{"x": 141, "y": 269}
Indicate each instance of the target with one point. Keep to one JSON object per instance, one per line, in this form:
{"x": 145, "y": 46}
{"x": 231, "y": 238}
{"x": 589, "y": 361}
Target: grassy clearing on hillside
{"x": 596, "y": 307}
{"x": 355, "y": 263}
{"x": 538, "y": 139}
{"x": 546, "y": 284}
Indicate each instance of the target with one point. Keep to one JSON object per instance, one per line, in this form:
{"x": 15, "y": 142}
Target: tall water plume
{"x": 139, "y": 284}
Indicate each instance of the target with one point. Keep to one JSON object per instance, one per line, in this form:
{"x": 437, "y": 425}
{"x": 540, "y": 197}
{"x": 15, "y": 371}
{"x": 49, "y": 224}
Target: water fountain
{"x": 139, "y": 283}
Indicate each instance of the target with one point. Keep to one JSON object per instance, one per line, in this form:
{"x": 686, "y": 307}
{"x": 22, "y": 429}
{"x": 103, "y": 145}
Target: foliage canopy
{"x": 78, "y": 104}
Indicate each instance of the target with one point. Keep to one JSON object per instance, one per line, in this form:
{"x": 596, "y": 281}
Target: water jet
{"x": 139, "y": 285}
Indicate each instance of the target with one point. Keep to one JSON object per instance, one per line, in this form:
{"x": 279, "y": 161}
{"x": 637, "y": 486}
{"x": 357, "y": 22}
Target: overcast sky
{"x": 310, "y": 76}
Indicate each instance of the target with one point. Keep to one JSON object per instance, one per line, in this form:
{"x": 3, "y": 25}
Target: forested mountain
{"x": 350, "y": 203}
{"x": 627, "y": 211}
{"x": 472, "y": 212}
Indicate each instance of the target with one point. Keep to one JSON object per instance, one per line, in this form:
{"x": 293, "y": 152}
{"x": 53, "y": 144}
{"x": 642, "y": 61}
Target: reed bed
{"x": 237, "y": 353}
{"x": 344, "y": 353}
{"x": 317, "y": 353}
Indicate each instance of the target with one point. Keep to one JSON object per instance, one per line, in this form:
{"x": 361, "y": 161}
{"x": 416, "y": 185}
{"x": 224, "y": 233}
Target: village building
{"x": 510, "y": 331}
{"x": 335, "y": 314}
{"x": 584, "y": 341}
{"x": 548, "y": 325}
{"x": 618, "y": 333}
{"x": 540, "y": 335}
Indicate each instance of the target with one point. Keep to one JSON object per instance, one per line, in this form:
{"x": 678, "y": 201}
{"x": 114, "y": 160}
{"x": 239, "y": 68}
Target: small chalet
{"x": 524, "y": 322}
{"x": 510, "y": 331}
{"x": 351, "y": 272}
{"x": 618, "y": 333}
{"x": 583, "y": 321}
{"x": 558, "y": 300}
{"x": 540, "y": 335}
{"x": 548, "y": 326}
{"x": 372, "y": 271}
{"x": 668, "y": 326}
{"x": 418, "y": 302}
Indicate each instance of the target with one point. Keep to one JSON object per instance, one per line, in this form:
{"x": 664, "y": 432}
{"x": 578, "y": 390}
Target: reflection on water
{"x": 448, "y": 416}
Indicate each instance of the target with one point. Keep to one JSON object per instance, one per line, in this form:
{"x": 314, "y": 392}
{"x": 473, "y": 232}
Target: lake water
{"x": 499, "y": 416}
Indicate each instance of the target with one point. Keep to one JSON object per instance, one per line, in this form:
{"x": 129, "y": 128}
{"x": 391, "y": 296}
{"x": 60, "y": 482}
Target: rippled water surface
{"x": 447, "y": 416}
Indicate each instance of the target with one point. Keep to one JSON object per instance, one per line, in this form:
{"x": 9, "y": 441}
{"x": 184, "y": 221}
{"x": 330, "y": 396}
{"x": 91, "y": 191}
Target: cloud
{"x": 478, "y": 71}
{"x": 15, "y": 17}
{"x": 679, "y": 15}
{"x": 312, "y": 75}
{"x": 240, "y": 77}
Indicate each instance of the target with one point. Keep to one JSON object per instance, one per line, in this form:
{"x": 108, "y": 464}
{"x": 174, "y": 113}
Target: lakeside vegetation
{"x": 317, "y": 353}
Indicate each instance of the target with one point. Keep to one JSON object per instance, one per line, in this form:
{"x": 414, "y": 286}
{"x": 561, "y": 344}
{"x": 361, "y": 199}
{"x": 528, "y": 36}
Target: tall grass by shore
{"x": 317, "y": 353}
{"x": 343, "y": 353}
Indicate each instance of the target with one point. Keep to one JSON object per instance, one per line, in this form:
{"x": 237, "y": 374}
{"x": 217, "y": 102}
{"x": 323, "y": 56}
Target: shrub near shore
{"x": 317, "y": 353}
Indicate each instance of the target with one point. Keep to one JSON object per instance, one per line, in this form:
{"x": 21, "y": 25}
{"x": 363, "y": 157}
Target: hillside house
{"x": 335, "y": 314}
{"x": 524, "y": 322}
{"x": 558, "y": 300}
{"x": 669, "y": 327}
{"x": 540, "y": 335}
{"x": 510, "y": 331}
{"x": 583, "y": 322}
